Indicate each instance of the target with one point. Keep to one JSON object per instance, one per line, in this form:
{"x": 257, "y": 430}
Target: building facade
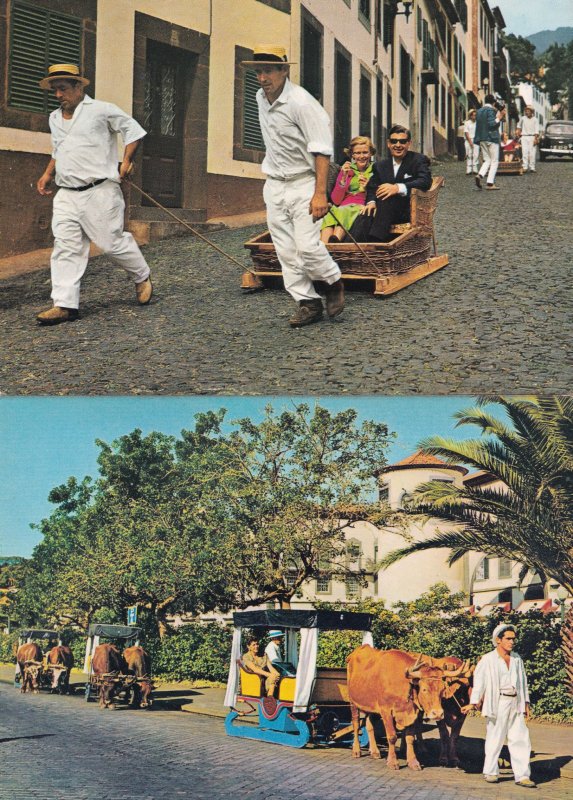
{"x": 176, "y": 67}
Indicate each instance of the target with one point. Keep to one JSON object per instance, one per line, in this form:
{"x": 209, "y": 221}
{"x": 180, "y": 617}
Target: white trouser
{"x": 509, "y": 723}
{"x": 302, "y": 256}
{"x": 490, "y": 156}
{"x": 528, "y": 152}
{"x": 96, "y": 215}
{"x": 472, "y": 157}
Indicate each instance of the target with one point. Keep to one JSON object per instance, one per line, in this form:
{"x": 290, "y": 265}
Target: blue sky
{"x": 524, "y": 17}
{"x": 46, "y": 440}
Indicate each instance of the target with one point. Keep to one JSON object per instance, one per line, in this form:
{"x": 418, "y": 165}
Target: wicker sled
{"x": 514, "y": 167}
{"x": 391, "y": 265}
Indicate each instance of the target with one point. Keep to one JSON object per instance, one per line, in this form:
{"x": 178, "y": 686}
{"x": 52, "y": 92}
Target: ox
{"x": 108, "y": 666}
{"x": 457, "y": 687}
{"x": 139, "y": 665}
{"x": 397, "y": 686}
{"x": 59, "y": 662}
{"x": 29, "y": 660}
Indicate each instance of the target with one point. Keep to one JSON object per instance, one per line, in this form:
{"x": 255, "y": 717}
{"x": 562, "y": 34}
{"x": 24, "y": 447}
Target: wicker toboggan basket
{"x": 392, "y": 266}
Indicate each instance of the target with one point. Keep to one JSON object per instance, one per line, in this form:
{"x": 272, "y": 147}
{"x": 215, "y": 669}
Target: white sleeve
{"x": 120, "y": 122}
{"x": 478, "y": 688}
{"x": 315, "y": 125}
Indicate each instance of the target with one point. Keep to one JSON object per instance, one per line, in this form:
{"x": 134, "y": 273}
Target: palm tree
{"x": 528, "y": 515}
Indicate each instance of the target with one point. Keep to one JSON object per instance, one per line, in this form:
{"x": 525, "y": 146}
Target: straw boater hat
{"x": 499, "y": 631}
{"x": 58, "y": 72}
{"x": 275, "y": 634}
{"x": 268, "y": 54}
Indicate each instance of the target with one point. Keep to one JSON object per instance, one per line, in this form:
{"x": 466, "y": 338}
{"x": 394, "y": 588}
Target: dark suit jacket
{"x": 414, "y": 173}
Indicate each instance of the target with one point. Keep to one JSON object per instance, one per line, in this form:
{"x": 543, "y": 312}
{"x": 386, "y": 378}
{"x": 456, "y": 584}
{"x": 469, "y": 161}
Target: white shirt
{"x": 273, "y": 651}
{"x": 529, "y": 126}
{"x": 488, "y": 677}
{"x": 294, "y": 127}
{"x": 85, "y": 149}
{"x": 470, "y": 128}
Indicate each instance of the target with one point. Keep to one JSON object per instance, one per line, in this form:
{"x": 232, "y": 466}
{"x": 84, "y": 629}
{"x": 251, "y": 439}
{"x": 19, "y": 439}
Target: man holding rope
{"x": 298, "y": 142}
{"x": 89, "y": 204}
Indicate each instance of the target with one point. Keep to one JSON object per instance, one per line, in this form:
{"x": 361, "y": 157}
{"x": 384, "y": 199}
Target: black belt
{"x": 83, "y": 188}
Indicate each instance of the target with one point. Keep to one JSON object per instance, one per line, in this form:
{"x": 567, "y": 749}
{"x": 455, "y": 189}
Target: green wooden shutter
{"x": 252, "y": 136}
{"x": 39, "y": 38}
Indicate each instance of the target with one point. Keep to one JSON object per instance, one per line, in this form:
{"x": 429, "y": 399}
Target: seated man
{"x": 261, "y": 665}
{"x": 273, "y": 649}
{"x": 388, "y": 190}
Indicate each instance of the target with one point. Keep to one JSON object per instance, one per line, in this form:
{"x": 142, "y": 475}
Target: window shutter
{"x": 39, "y": 38}
{"x": 252, "y": 136}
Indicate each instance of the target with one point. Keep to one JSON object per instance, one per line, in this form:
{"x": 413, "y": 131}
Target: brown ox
{"x": 60, "y": 661}
{"x": 139, "y": 664}
{"x": 457, "y": 687}
{"x": 397, "y": 686}
{"x": 108, "y": 666}
{"x": 29, "y": 660}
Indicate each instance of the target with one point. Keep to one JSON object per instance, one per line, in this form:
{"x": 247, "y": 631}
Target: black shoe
{"x": 478, "y": 181}
{"x": 309, "y": 311}
{"x": 335, "y": 298}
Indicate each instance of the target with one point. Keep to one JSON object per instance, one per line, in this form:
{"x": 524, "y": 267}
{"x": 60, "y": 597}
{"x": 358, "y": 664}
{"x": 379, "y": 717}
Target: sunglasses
{"x": 398, "y": 141}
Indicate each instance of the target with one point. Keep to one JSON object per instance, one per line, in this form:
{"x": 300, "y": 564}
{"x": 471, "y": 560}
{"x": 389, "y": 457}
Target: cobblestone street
{"x": 498, "y": 318}
{"x": 66, "y": 749}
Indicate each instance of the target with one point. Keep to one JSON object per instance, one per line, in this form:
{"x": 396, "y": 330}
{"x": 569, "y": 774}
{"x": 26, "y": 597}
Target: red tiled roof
{"x": 421, "y": 459}
{"x": 480, "y": 477}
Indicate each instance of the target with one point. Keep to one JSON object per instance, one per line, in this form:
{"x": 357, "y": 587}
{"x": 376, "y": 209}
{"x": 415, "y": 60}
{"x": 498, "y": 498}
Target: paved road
{"x": 497, "y": 319}
{"x": 65, "y": 749}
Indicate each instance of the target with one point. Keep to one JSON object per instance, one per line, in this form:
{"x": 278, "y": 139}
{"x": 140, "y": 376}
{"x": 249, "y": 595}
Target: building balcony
{"x": 430, "y": 72}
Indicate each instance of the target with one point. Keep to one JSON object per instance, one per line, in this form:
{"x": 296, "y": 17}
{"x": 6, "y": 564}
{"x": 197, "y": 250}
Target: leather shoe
{"x": 144, "y": 290}
{"x": 526, "y": 783}
{"x": 57, "y": 314}
{"x": 335, "y": 298}
{"x": 491, "y": 778}
{"x": 309, "y": 311}
{"x": 478, "y": 181}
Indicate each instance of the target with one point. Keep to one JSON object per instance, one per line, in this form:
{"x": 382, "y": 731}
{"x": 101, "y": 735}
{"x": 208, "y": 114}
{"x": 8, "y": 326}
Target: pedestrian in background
{"x": 500, "y": 687}
{"x": 472, "y": 149}
{"x": 89, "y": 204}
{"x": 528, "y": 133}
{"x": 488, "y": 120}
{"x": 298, "y": 144}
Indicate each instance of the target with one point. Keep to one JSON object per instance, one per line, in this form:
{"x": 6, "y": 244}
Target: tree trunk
{"x": 285, "y": 602}
{"x": 567, "y": 634}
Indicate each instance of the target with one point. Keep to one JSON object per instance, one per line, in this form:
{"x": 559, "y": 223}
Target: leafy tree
{"x": 530, "y": 517}
{"x": 558, "y": 69}
{"x": 522, "y": 61}
{"x": 213, "y": 519}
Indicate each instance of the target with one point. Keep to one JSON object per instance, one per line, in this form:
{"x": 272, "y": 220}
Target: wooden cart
{"x": 514, "y": 167}
{"x": 391, "y": 266}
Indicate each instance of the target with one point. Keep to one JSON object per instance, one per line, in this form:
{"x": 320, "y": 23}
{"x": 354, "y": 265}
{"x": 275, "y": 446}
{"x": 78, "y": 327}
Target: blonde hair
{"x": 359, "y": 140}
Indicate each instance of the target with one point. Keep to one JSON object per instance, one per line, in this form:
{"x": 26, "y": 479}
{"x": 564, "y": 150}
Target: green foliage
{"x": 8, "y": 647}
{"x": 558, "y": 62}
{"x": 198, "y": 651}
{"x": 522, "y": 61}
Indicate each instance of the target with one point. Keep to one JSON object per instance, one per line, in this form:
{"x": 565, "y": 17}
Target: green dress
{"x": 348, "y": 199}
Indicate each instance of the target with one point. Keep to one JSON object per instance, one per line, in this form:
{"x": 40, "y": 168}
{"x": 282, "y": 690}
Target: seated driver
{"x": 261, "y": 665}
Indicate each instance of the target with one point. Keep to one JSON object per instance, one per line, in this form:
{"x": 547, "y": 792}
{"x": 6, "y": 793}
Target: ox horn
{"x": 465, "y": 671}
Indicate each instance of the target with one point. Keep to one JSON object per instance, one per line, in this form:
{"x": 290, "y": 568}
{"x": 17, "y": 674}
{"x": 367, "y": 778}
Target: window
{"x": 342, "y": 95}
{"x": 323, "y": 584}
{"x": 405, "y": 72}
{"x": 364, "y": 13}
{"x": 505, "y": 568}
{"x": 379, "y": 143}
{"x": 365, "y": 125}
{"x": 311, "y": 56}
{"x": 419, "y": 23}
{"x": 384, "y": 493}
{"x": 443, "y": 105}
{"x": 482, "y": 571}
{"x": 252, "y": 136}
{"x": 388, "y": 24}
{"x": 352, "y": 586}
{"x": 38, "y": 38}
{"x": 290, "y": 579}
{"x": 353, "y": 549}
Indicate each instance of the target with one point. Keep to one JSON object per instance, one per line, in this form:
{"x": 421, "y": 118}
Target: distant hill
{"x": 544, "y": 39}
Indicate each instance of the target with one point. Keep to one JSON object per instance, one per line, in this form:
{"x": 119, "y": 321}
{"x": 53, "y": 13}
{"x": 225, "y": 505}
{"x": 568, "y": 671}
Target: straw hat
{"x": 268, "y": 54}
{"x": 58, "y": 72}
{"x": 499, "y": 631}
{"x": 275, "y": 634}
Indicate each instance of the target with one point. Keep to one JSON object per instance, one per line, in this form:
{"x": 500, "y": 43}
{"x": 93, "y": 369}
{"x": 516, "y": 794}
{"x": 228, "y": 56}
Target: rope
{"x": 244, "y": 267}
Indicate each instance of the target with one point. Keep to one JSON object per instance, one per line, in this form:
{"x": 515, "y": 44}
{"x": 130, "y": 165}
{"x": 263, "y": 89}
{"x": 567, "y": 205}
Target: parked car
{"x": 557, "y": 140}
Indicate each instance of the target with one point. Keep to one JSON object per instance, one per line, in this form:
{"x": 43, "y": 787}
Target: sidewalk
{"x": 552, "y": 745}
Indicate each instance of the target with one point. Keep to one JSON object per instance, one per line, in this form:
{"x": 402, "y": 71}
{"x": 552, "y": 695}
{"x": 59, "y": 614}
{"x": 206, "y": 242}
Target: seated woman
{"x": 349, "y": 192}
{"x": 261, "y": 665}
{"x": 508, "y": 147}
